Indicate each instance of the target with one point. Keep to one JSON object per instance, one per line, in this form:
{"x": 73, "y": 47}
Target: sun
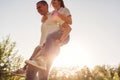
{"x": 73, "y": 55}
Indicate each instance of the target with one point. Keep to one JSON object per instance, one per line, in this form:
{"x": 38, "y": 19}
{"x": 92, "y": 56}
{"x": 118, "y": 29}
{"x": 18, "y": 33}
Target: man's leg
{"x": 44, "y": 74}
{"x": 30, "y": 73}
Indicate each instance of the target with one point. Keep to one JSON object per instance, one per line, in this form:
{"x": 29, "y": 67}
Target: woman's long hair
{"x": 62, "y": 3}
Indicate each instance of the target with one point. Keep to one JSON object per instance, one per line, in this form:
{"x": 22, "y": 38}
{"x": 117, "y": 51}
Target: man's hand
{"x": 44, "y": 18}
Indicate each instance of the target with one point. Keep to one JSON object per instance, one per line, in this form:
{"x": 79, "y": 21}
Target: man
{"x": 51, "y": 32}
{"x": 31, "y": 72}
{"x": 42, "y": 8}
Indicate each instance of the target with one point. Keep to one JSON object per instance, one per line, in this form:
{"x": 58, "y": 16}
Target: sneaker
{"x": 39, "y": 63}
{"x": 20, "y": 72}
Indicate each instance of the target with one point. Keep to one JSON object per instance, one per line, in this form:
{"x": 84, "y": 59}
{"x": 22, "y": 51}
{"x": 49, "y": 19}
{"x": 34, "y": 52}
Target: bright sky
{"x": 95, "y": 38}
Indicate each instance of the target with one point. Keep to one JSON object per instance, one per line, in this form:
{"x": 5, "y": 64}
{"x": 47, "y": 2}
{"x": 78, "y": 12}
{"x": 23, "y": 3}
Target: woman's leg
{"x": 50, "y": 47}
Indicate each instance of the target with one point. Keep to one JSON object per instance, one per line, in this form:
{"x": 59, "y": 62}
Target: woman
{"x": 63, "y": 13}
{"x": 60, "y": 17}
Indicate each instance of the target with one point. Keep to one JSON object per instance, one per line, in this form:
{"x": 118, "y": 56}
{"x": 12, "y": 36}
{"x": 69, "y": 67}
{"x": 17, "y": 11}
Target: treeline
{"x": 9, "y": 60}
{"x": 104, "y": 72}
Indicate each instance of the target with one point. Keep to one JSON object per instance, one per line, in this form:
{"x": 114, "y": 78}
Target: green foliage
{"x": 103, "y": 72}
{"x": 9, "y": 60}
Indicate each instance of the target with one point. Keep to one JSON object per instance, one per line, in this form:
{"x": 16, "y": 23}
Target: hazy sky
{"x": 95, "y": 36}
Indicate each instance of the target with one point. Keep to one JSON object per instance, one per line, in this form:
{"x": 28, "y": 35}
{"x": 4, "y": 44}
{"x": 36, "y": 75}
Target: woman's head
{"x": 56, "y": 3}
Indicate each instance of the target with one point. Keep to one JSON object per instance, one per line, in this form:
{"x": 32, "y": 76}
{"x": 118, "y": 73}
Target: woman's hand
{"x": 58, "y": 42}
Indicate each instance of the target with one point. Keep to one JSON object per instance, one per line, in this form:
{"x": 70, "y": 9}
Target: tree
{"x": 9, "y": 60}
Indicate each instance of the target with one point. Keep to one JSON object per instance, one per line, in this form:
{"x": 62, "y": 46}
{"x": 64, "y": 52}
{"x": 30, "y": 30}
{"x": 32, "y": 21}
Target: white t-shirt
{"x": 52, "y": 24}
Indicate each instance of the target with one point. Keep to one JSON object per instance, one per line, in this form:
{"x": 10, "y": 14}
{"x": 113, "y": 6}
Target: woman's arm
{"x": 67, "y": 19}
{"x": 65, "y": 28}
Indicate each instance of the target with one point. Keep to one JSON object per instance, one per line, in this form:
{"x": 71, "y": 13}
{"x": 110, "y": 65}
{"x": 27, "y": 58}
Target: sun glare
{"x": 72, "y": 56}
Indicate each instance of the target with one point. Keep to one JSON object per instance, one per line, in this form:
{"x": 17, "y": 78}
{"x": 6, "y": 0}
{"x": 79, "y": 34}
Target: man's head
{"x": 42, "y": 7}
